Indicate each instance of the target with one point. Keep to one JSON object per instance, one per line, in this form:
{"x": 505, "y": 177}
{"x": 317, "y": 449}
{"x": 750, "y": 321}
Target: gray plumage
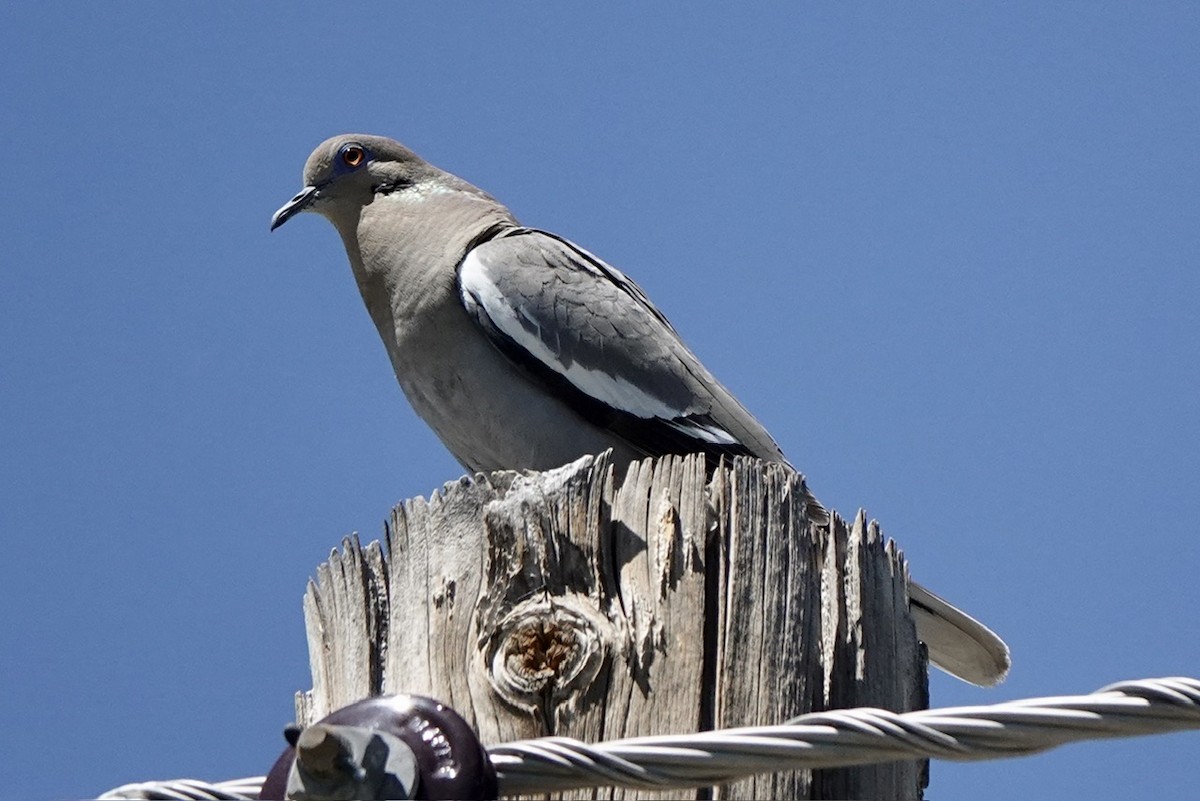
{"x": 522, "y": 350}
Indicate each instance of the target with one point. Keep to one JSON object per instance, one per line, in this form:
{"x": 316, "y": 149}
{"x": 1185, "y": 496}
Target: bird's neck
{"x": 405, "y": 248}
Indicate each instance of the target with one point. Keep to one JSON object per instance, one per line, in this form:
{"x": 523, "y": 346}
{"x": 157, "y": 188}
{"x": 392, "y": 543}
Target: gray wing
{"x": 591, "y": 336}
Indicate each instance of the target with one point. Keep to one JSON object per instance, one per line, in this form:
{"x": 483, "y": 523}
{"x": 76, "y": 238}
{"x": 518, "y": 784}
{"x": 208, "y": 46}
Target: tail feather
{"x": 958, "y": 643}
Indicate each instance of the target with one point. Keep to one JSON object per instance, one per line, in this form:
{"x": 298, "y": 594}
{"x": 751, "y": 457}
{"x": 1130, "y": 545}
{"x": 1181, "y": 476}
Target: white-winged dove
{"x": 523, "y": 350}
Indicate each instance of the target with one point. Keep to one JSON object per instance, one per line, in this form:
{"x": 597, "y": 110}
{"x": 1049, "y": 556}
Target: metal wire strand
{"x": 839, "y": 738}
{"x": 849, "y": 737}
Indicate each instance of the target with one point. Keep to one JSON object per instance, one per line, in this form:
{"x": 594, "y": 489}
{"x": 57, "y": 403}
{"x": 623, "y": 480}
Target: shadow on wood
{"x": 559, "y": 603}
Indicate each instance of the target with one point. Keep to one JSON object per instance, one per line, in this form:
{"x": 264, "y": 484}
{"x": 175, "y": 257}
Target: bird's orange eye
{"x": 353, "y": 155}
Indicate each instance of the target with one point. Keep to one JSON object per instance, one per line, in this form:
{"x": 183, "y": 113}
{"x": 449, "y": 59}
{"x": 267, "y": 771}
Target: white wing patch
{"x": 704, "y": 431}
{"x": 480, "y": 290}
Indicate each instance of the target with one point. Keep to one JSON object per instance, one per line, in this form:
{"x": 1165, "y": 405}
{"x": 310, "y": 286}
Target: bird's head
{"x": 346, "y": 172}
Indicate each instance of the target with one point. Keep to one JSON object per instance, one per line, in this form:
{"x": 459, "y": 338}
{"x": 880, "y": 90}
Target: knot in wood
{"x": 547, "y": 650}
{"x": 539, "y": 649}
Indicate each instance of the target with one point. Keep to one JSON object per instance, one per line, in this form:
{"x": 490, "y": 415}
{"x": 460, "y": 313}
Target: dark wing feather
{"x": 591, "y": 336}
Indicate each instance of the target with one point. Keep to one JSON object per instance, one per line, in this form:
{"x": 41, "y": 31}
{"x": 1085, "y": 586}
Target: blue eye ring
{"x": 353, "y": 155}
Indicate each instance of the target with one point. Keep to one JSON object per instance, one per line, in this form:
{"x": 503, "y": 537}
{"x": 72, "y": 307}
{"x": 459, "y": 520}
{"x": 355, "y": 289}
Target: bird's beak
{"x": 299, "y": 203}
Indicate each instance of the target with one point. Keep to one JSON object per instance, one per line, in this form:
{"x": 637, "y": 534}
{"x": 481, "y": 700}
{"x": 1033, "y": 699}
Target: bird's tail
{"x": 958, "y": 643}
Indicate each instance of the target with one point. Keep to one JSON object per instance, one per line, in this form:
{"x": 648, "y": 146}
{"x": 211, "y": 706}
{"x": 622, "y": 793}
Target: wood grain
{"x": 560, "y": 603}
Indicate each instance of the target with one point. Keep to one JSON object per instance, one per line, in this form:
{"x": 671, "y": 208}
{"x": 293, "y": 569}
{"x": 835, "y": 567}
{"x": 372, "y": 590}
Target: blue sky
{"x": 948, "y": 255}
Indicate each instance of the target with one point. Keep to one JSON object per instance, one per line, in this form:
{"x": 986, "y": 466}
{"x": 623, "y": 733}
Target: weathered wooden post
{"x": 559, "y": 603}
